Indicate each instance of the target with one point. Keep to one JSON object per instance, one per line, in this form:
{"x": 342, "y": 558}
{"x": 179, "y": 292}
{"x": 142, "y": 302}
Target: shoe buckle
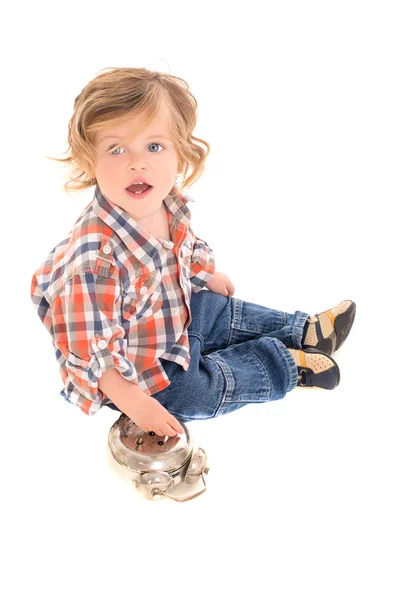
{"x": 303, "y": 377}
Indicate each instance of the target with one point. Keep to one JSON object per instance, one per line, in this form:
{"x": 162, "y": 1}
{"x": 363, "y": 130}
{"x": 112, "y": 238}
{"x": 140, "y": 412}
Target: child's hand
{"x": 150, "y": 415}
{"x": 221, "y": 284}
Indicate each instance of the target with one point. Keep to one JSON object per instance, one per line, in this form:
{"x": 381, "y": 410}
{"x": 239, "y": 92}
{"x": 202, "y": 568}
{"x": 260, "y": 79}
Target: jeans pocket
{"x": 246, "y": 378}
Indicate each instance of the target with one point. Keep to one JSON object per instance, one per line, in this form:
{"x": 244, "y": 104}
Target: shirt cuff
{"x": 81, "y": 386}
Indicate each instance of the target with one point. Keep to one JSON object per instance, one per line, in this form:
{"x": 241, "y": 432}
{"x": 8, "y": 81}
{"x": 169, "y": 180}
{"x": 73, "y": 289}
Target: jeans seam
{"x": 229, "y": 381}
{"x": 198, "y": 336}
{"x": 236, "y": 316}
{"x": 266, "y": 375}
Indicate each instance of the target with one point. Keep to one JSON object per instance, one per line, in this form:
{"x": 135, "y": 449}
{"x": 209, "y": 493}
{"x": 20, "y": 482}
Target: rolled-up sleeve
{"x": 202, "y": 265}
{"x": 88, "y": 333}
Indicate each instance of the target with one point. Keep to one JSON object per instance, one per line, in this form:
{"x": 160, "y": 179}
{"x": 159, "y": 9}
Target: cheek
{"x": 105, "y": 168}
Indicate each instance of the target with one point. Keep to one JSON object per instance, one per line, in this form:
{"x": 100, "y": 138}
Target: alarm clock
{"x": 155, "y": 463}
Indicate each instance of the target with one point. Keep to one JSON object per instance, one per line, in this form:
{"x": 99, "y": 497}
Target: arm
{"x": 203, "y": 273}
{"x": 202, "y": 265}
{"x": 89, "y": 334}
{"x": 142, "y": 409}
{"x": 221, "y": 284}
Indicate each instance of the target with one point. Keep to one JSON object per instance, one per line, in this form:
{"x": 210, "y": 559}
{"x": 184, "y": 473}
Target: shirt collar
{"x": 140, "y": 242}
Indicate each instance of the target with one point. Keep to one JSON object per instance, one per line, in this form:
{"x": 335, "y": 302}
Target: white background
{"x": 300, "y": 103}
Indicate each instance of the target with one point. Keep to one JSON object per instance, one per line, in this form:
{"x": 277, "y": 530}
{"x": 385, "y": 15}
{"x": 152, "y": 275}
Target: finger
{"x": 178, "y": 427}
{"x": 174, "y": 423}
{"x": 175, "y": 426}
{"x": 169, "y": 431}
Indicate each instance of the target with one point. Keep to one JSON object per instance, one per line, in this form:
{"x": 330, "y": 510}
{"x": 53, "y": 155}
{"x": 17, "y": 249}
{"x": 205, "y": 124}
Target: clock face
{"x": 149, "y": 442}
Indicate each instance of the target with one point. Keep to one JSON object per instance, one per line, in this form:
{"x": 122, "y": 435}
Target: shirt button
{"x": 143, "y": 289}
{"x": 102, "y": 344}
{"x": 107, "y": 249}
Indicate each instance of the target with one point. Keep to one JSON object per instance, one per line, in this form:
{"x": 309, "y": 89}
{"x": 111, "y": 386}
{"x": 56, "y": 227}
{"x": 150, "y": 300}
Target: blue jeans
{"x": 238, "y": 356}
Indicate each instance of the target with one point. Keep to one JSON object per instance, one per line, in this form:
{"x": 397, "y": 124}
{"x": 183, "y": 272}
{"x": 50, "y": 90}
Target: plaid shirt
{"x": 112, "y": 295}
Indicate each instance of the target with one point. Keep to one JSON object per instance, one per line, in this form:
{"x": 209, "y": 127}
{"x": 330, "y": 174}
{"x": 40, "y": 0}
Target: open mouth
{"x": 139, "y": 191}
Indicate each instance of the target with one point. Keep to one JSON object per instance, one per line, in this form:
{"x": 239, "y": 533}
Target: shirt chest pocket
{"x": 144, "y": 297}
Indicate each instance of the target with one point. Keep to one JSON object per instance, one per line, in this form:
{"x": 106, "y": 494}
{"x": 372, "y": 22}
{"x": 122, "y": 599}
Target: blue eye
{"x": 114, "y": 148}
{"x": 156, "y": 144}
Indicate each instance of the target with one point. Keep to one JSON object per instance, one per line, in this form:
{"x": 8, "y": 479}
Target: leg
{"x": 258, "y": 370}
{"x": 220, "y": 321}
{"x": 238, "y": 356}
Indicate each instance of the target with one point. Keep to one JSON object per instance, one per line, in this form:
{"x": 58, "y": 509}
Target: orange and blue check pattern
{"x": 112, "y": 295}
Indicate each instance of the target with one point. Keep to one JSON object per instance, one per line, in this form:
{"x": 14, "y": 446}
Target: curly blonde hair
{"x": 118, "y": 94}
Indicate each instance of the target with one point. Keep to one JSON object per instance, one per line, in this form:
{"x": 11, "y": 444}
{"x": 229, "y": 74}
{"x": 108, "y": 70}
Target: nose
{"x": 138, "y": 161}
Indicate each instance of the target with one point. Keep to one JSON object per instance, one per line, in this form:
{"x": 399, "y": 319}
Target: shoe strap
{"x": 331, "y": 317}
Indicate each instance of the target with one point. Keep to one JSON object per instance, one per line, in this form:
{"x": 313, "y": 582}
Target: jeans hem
{"x": 291, "y": 368}
{"x": 298, "y": 329}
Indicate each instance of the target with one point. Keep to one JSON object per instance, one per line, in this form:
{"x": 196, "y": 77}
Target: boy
{"x": 119, "y": 295}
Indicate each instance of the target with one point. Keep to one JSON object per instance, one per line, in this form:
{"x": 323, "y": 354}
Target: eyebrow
{"x": 116, "y": 137}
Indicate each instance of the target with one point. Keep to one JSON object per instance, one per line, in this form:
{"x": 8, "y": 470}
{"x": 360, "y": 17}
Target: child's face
{"x": 141, "y": 157}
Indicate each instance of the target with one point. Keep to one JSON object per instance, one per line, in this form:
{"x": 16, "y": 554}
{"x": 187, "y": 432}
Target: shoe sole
{"x": 329, "y": 379}
{"x": 343, "y": 324}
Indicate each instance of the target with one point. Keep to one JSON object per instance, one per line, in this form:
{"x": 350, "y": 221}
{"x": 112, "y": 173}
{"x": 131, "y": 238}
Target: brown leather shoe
{"x": 328, "y": 330}
{"x": 316, "y": 369}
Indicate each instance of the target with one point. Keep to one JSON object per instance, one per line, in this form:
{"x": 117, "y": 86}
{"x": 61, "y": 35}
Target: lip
{"x": 139, "y": 196}
{"x": 136, "y": 180}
